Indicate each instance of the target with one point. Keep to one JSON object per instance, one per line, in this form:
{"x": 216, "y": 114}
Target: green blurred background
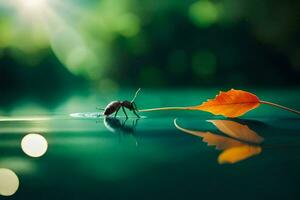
{"x": 50, "y": 48}
{"x": 59, "y": 59}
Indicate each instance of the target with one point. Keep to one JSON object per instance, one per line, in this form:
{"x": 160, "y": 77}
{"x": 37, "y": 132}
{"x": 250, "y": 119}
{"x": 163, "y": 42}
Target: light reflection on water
{"x": 9, "y": 182}
{"x": 97, "y": 153}
{"x": 234, "y": 150}
{"x": 34, "y": 145}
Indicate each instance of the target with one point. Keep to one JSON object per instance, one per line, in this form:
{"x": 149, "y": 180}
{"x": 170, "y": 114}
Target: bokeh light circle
{"x": 9, "y": 182}
{"x": 34, "y": 145}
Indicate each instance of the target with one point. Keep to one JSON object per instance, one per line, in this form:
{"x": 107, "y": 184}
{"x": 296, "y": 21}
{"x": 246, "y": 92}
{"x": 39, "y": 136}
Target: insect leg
{"x": 124, "y": 112}
{"x": 135, "y": 109}
{"x": 134, "y": 106}
{"x": 117, "y": 111}
{"x": 136, "y": 113}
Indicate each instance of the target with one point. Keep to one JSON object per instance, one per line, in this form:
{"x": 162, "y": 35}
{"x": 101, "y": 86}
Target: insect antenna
{"x": 136, "y": 93}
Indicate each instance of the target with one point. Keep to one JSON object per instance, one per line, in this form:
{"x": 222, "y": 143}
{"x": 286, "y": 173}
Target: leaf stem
{"x": 280, "y": 106}
{"x": 164, "y": 108}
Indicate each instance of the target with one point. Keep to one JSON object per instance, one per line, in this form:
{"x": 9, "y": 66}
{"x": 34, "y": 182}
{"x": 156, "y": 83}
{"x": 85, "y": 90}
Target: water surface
{"x": 48, "y": 154}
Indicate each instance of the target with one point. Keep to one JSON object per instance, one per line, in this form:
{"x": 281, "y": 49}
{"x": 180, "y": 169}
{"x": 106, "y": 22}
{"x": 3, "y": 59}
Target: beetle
{"x": 114, "y": 106}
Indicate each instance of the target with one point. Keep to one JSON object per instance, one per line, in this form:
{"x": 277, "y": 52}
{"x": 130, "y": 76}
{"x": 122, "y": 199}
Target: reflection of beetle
{"x": 114, "y": 125}
{"x": 114, "y": 106}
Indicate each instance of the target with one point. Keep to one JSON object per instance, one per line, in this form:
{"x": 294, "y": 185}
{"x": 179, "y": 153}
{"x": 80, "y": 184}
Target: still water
{"x": 68, "y": 152}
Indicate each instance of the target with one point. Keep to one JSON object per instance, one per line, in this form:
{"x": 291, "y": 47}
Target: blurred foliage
{"x": 56, "y": 45}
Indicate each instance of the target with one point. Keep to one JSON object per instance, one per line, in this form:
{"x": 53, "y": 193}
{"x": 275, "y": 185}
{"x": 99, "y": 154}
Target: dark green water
{"x": 94, "y": 158}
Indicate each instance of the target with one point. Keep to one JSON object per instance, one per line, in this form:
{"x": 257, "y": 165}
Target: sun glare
{"x": 32, "y": 5}
{"x": 30, "y": 9}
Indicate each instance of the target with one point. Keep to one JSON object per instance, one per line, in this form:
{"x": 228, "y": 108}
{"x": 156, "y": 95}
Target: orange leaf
{"x": 233, "y": 103}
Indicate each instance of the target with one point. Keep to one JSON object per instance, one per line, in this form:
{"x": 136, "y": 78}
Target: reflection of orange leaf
{"x": 237, "y": 130}
{"x": 236, "y": 154}
{"x": 233, "y": 103}
{"x": 211, "y": 139}
{"x": 220, "y": 142}
{"x": 234, "y": 150}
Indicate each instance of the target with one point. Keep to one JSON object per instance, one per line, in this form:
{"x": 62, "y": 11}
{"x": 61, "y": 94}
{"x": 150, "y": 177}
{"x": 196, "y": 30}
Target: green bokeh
{"x": 144, "y": 44}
